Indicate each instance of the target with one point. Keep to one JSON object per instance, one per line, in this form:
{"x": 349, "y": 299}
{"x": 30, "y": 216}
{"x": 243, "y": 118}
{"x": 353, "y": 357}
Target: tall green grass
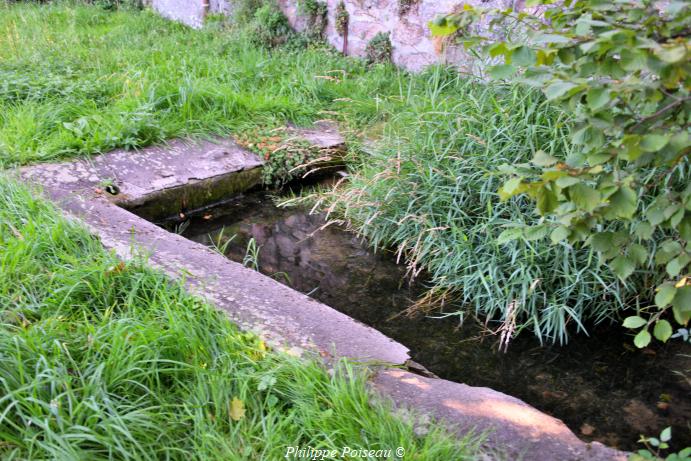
{"x": 78, "y": 80}
{"x": 104, "y": 360}
{"x": 429, "y": 189}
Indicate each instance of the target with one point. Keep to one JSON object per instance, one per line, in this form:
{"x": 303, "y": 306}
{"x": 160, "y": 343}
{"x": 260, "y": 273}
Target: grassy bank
{"x": 105, "y": 360}
{"x": 79, "y": 80}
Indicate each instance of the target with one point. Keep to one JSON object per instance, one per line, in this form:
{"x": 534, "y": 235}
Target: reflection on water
{"x": 601, "y": 387}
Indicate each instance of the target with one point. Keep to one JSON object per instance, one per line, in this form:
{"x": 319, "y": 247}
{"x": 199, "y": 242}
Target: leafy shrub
{"x": 269, "y": 26}
{"x": 244, "y": 10}
{"x": 379, "y": 49}
{"x": 342, "y": 19}
{"x": 622, "y": 70}
{"x": 316, "y": 13}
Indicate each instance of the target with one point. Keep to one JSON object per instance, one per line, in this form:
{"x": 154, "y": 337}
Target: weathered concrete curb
{"x": 283, "y": 317}
{"x": 519, "y": 430}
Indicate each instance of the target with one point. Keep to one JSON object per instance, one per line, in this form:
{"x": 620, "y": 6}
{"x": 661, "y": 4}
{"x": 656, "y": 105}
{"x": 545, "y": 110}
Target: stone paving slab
{"x": 519, "y": 430}
{"x": 284, "y": 318}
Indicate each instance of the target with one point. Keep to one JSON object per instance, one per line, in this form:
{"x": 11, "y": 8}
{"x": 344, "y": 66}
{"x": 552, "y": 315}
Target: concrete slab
{"x": 519, "y": 430}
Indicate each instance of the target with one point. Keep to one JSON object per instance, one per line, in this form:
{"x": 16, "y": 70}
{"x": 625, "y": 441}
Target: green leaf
{"x": 535, "y": 232}
{"x": 634, "y": 322}
{"x": 671, "y": 54}
{"x": 644, "y": 230}
{"x": 602, "y": 241}
{"x": 509, "y": 234}
{"x": 597, "y": 98}
{"x": 498, "y": 49}
{"x": 543, "y": 159}
{"x": 684, "y": 227}
{"x": 547, "y": 200}
{"x": 662, "y": 330}
{"x": 681, "y": 317}
{"x": 542, "y": 39}
{"x": 622, "y": 204}
{"x": 584, "y": 197}
{"x": 642, "y": 339}
{"x": 559, "y": 89}
{"x": 665, "y": 295}
{"x": 559, "y": 234}
{"x": 639, "y": 253}
{"x": 523, "y": 56}
{"x": 502, "y": 71}
{"x": 666, "y": 251}
{"x": 511, "y": 185}
{"x": 682, "y": 299}
{"x": 654, "y": 142}
{"x": 676, "y": 265}
{"x": 623, "y": 266}
{"x": 632, "y": 60}
{"x": 666, "y": 434}
{"x": 442, "y": 29}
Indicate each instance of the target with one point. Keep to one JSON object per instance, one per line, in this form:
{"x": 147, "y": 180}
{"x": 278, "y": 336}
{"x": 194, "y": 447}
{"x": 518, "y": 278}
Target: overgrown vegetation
{"x": 622, "y": 69}
{"x": 316, "y": 13}
{"x": 78, "y": 80}
{"x": 103, "y": 359}
{"x": 429, "y": 189}
{"x": 269, "y": 27}
{"x": 286, "y": 157}
{"x": 342, "y": 19}
{"x": 379, "y": 49}
{"x": 116, "y": 4}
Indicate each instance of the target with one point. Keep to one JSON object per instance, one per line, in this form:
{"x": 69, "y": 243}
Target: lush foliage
{"x": 286, "y": 157}
{"x": 342, "y": 19}
{"x": 269, "y": 27}
{"x": 655, "y": 447}
{"x": 428, "y": 188}
{"x": 103, "y": 359}
{"x": 622, "y": 70}
{"x": 316, "y": 13}
{"x": 115, "y": 4}
{"x": 79, "y": 80}
{"x": 379, "y": 49}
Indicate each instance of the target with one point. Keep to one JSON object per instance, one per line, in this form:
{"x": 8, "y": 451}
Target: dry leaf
{"x": 236, "y": 409}
{"x": 116, "y": 269}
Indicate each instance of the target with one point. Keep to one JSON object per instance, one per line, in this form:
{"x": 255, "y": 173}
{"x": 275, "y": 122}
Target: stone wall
{"x": 190, "y": 12}
{"x": 413, "y": 46}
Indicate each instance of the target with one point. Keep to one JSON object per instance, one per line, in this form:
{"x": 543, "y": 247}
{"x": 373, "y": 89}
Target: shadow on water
{"x": 601, "y": 387}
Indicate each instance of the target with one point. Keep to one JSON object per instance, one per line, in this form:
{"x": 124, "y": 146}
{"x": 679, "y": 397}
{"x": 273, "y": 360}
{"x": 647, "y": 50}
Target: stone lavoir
{"x": 182, "y": 176}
